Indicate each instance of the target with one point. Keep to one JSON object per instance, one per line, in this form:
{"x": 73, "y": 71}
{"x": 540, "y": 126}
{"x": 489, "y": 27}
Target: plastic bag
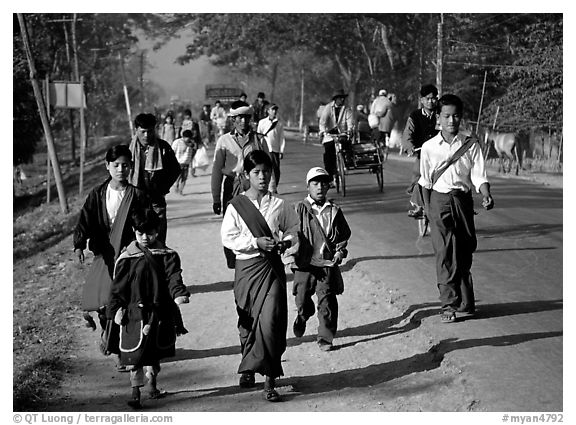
{"x": 373, "y": 121}
{"x": 201, "y": 159}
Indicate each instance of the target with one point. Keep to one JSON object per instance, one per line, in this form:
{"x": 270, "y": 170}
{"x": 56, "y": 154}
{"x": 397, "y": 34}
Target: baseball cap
{"x": 317, "y": 172}
{"x": 382, "y": 92}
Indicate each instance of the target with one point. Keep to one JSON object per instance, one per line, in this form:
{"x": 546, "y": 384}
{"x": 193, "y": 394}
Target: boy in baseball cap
{"x": 325, "y": 235}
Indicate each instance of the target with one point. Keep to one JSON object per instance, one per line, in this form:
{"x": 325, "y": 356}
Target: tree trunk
{"x": 273, "y": 78}
{"x": 387, "y": 46}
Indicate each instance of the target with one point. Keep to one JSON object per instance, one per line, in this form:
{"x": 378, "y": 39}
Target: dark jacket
{"x": 94, "y": 225}
{"x": 419, "y": 128}
{"x": 158, "y": 183}
{"x": 311, "y": 234}
{"x": 146, "y": 282}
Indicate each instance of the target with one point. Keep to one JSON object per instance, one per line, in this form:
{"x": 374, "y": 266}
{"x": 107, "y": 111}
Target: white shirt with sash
{"x": 469, "y": 170}
{"x": 236, "y": 235}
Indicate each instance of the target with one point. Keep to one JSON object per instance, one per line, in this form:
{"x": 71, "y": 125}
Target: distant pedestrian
{"x": 144, "y": 300}
{"x": 450, "y": 166}
{"x": 259, "y": 108}
{"x": 228, "y": 178}
{"x": 168, "y": 129}
{"x": 336, "y": 118}
{"x": 325, "y": 230}
{"x": 187, "y": 122}
{"x": 184, "y": 149}
{"x": 104, "y": 223}
{"x": 218, "y": 116}
{"x": 382, "y": 108}
{"x": 205, "y": 122}
{"x": 155, "y": 167}
{"x": 259, "y": 227}
{"x": 273, "y": 132}
{"x": 420, "y": 127}
{"x": 243, "y": 97}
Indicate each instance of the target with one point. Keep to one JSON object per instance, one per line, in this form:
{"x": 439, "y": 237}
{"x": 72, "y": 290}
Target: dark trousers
{"x": 323, "y": 282}
{"x": 275, "y": 156}
{"x": 330, "y": 158}
{"x": 159, "y": 207}
{"x": 227, "y": 195}
{"x": 454, "y": 241}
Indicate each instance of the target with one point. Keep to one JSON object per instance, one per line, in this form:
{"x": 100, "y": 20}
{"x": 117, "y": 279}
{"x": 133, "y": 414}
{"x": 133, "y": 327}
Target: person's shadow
{"x": 409, "y": 320}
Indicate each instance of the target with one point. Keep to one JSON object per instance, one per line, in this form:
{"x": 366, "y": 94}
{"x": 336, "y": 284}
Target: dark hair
{"x": 255, "y": 158}
{"x": 243, "y": 94}
{"x": 117, "y": 151}
{"x": 450, "y": 99}
{"x": 237, "y": 104}
{"x": 145, "y": 220}
{"x": 427, "y": 89}
{"x": 187, "y": 112}
{"x": 187, "y": 133}
{"x": 261, "y": 95}
{"x": 145, "y": 121}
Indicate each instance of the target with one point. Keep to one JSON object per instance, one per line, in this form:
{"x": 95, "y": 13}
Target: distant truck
{"x": 225, "y": 93}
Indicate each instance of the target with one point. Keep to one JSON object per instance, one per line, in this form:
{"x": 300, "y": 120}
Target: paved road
{"x": 392, "y": 354}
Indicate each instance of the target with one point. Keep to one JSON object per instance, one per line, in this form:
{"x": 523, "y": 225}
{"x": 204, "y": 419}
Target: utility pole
{"x": 440, "y": 55}
{"x": 481, "y": 101}
{"x": 126, "y": 98}
{"x": 143, "y": 93}
{"x": 301, "y": 123}
{"x": 71, "y": 111}
{"x": 43, "y": 116}
{"x": 82, "y": 120}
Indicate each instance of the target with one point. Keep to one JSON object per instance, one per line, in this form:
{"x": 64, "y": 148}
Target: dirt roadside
{"x": 377, "y": 375}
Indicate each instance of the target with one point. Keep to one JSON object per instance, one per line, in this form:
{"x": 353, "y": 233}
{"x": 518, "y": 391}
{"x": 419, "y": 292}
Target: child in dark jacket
{"x": 325, "y": 231}
{"x": 144, "y": 298}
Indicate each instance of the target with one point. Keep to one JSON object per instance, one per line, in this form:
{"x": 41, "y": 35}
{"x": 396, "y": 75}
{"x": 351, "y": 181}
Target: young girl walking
{"x": 258, "y": 227}
{"x": 104, "y": 224}
{"x": 144, "y": 300}
{"x": 168, "y": 129}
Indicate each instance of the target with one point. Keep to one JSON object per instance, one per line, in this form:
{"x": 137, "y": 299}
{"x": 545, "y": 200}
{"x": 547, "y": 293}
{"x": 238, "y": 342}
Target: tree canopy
{"x": 521, "y": 55}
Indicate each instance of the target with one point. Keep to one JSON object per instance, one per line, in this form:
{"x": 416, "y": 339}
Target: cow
{"x": 508, "y": 146}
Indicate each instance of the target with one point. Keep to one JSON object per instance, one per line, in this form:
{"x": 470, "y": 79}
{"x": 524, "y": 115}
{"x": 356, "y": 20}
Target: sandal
{"x": 448, "y": 317}
{"x": 271, "y": 395}
{"x": 135, "y": 403}
{"x": 247, "y": 380}
{"x": 156, "y": 393}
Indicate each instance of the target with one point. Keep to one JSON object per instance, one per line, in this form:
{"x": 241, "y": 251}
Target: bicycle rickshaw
{"x": 360, "y": 152}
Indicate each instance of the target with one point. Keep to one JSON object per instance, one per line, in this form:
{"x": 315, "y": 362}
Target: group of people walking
{"x": 135, "y": 281}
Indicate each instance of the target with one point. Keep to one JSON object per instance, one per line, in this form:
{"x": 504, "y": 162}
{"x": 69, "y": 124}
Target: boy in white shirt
{"x": 273, "y": 132}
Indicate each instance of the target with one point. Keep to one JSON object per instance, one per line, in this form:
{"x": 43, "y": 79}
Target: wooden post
{"x": 439, "y": 56}
{"x": 48, "y": 165}
{"x": 82, "y": 140}
{"x": 481, "y": 101}
{"x": 301, "y": 123}
{"x": 82, "y": 120}
{"x": 71, "y": 111}
{"x": 495, "y": 118}
{"x": 126, "y": 98}
{"x": 43, "y": 117}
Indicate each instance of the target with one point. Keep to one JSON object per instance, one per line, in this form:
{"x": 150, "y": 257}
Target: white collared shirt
{"x": 467, "y": 171}
{"x": 324, "y": 215}
{"x": 275, "y": 137}
{"x": 236, "y": 236}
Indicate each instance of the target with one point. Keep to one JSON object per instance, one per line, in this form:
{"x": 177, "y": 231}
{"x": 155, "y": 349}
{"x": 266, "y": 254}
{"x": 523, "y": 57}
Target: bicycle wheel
{"x": 342, "y": 172}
